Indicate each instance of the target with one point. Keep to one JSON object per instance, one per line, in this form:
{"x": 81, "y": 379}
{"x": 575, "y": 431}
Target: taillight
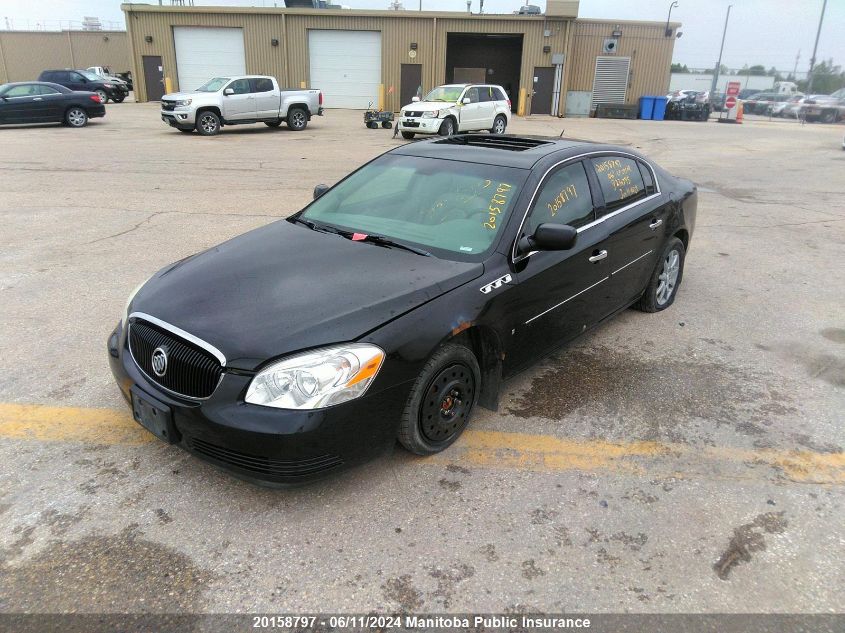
{"x": 509, "y": 104}
{"x": 95, "y": 98}
{"x": 321, "y": 99}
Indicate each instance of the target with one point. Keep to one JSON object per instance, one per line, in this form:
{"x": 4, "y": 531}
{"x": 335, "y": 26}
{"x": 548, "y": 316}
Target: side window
{"x": 45, "y": 90}
{"x": 261, "y": 84}
{"x": 645, "y": 172}
{"x": 499, "y": 95}
{"x": 76, "y": 77}
{"x": 26, "y": 90}
{"x": 472, "y": 95}
{"x": 564, "y": 198}
{"x": 485, "y": 93}
{"x": 240, "y": 86}
{"x": 620, "y": 180}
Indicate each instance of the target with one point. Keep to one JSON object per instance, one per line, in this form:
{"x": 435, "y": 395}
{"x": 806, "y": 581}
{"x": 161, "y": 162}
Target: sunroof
{"x": 512, "y": 143}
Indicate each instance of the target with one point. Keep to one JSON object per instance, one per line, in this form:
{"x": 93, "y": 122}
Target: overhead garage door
{"x": 346, "y": 66}
{"x": 203, "y": 53}
{"x": 610, "y": 82}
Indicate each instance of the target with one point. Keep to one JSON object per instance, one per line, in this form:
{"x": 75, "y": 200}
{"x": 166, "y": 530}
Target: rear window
{"x": 500, "y": 95}
{"x": 620, "y": 181}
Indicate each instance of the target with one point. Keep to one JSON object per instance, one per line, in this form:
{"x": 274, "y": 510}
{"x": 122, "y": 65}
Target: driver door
{"x": 239, "y": 106}
{"x": 559, "y": 294}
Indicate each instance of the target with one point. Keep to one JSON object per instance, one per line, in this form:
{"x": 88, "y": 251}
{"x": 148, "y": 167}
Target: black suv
{"x": 87, "y": 81}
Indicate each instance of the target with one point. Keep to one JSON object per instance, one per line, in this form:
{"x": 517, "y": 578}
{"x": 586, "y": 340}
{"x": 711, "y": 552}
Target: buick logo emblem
{"x": 159, "y": 361}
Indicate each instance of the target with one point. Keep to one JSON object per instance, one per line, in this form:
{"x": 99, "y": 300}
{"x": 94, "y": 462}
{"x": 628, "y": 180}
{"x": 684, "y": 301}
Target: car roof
{"x": 522, "y": 152}
{"x": 29, "y": 83}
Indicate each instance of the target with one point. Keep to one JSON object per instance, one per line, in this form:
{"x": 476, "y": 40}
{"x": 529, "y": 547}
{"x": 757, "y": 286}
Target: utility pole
{"x": 721, "y": 48}
{"x": 795, "y": 70}
{"x": 815, "y": 48}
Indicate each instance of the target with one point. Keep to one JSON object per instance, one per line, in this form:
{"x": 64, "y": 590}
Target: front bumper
{"x": 179, "y": 118}
{"x": 419, "y": 125}
{"x": 263, "y": 444}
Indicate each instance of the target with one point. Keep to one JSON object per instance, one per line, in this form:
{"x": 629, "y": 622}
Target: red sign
{"x": 733, "y": 88}
{"x": 730, "y": 102}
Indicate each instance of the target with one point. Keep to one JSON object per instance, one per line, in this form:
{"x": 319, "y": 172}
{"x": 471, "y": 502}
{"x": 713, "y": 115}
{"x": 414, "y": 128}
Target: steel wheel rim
{"x": 668, "y": 278}
{"x": 103, "y": 96}
{"x": 500, "y": 126}
{"x": 208, "y": 123}
{"x": 449, "y": 127}
{"x": 298, "y": 119}
{"x": 446, "y": 404}
{"x": 76, "y": 117}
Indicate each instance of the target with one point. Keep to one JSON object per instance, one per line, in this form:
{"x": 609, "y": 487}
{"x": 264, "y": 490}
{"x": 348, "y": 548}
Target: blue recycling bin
{"x": 659, "y": 112}
{"x": 646, "y": 107}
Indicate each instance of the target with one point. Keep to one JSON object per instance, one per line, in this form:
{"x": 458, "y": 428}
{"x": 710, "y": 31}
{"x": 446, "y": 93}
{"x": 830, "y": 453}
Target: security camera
{"x": 679, "y": 34}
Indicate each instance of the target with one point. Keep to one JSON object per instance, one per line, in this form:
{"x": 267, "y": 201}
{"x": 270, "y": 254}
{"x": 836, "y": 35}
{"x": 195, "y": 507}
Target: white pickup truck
{"x": 236, "y": 100}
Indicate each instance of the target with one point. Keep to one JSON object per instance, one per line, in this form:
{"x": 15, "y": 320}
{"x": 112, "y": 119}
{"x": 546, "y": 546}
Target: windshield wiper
{"x": 381, "y": 240}
{"x": 323, "y": 228}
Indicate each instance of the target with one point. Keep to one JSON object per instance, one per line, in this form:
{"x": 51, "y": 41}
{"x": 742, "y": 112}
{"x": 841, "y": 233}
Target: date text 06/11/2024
{"x": 420, "y": 622}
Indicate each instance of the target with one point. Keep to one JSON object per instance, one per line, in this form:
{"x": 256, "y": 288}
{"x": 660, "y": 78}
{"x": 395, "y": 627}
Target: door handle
{"x": 654, "y": 224}
{"x": 37, "y": 99}
{"x": 598, "y": 257}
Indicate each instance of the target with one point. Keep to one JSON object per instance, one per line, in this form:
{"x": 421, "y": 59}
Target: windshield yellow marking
{"x": 498, "y": 202}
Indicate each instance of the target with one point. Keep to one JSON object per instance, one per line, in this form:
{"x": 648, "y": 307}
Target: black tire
{"x": 208, "y": 123}
{"x": 500, "y": 123}
{"x": 408, "y": 135}
{"x": 76, "y": 117}
{"x": 186, "y": 130}
{"x": 297, "y": 119}
{"x": 372, "y": 125}
{"x": 652, "y": 301}
{"x": 276, "y": 123}
{"x": 447, "y": 128}
{"x": 441, "y": 401}
{"x": 119, "y": 99}
{"x": 104, "y": 97}
{"x": 387, "y": 125}
{"x": 828, "y": 116}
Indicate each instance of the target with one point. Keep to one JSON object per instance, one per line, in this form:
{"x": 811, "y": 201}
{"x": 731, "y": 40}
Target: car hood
{"x": 427, "y": 106}
{"x": 179, "y": 96}
{"x": 283, "y": 288}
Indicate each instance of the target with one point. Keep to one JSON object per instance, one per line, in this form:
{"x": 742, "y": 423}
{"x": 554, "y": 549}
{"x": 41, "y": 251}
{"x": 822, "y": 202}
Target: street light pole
{"x": 668, "y": 31}
{"x": 721, "y": 48}
{"x": 815, "y": 48}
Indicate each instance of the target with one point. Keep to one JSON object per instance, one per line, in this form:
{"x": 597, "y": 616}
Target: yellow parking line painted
{"x": 486, "y": 449}
{"x": 70, "y": 424}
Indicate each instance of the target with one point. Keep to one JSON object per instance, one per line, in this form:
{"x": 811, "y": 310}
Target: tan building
{"x": 552, "y": 63}
{"x": 24, "y": 54}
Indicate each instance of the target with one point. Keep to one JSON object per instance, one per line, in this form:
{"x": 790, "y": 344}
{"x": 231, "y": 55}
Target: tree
{"x": 827, "y": 78}
{"x": 679, "y": 68}
{"x": 757, "y": 69}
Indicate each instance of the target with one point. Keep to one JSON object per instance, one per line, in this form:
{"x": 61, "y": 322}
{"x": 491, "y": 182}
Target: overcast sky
{"x": 768, "y": 32}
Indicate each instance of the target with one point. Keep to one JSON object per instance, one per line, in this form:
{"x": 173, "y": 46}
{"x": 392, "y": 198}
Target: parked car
{"x": 788, "y": 107}
{"x": 717, "y": 101}
{"x": 457, "y": 108}
{"x": 88, "y": 82}
{"x": 689, "y": 105}
{"x": 764, "y": 102}
{"x": 828, "y": 109}
{"x": 42, "y": 102}
{"x": 748, "y": 93}
{"x": 397, "y": 300}
{"x": 237, "y": 100}
{"x": 105, "y": 73}
{"x": 127, "y": 77}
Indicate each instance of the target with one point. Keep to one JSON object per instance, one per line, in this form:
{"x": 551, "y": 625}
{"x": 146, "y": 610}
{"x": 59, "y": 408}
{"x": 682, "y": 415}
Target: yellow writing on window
{"x": 566, "y": 194}
{"x": 498, "y": 203}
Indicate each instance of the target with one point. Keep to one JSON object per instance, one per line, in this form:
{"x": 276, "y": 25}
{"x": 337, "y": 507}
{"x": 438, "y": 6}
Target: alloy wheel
{"x": 445, "y": 408}
{"x": 668, "y": 277}
{"x": 103, "y": 96}
{"x": 499, "y": 128}
{"x": 298, "y": 119}
{"x": 208, "y": 124}
{"x": 76, "y": 117}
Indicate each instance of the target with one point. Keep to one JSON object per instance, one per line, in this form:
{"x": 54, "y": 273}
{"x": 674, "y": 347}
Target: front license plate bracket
{"x": 154, "y": 416}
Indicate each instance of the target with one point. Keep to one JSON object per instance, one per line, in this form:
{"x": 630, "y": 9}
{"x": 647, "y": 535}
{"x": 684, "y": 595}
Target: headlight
{"x": 431, "y": 114}
{"x": 316, "y": 379}
{"x": 183, "y": 103}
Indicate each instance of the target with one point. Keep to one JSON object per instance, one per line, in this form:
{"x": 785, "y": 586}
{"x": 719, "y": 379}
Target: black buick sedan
{"x": 397, "y": 301}
{"x": 45, "y": 102}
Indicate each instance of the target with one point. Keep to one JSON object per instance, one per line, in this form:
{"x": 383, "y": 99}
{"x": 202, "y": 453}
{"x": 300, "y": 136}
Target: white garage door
{"x": 203, "y": 53}
{"x": 346, "y": 66}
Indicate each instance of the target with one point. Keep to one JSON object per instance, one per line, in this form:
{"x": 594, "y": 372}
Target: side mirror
{"x": 229, "y": 91}
{"x": 415, "y": 99}
{"x": 319, "y": 190}
{"x": 466, "y": 100}
{"x": 549, "y": 237}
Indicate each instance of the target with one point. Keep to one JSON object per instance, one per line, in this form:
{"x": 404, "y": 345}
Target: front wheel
{"x": 499, "y": 125}
{"x": 208, "y": 123}
{"x": 408, "y": 135}
{"x": 666, "y": 278}
{"x": 76, "y": 117}
{"x": 441, "y": 401}
{"x": 119, "y": 99}
{"x": 447, "y": 128}
{"x": 297, "y": 119}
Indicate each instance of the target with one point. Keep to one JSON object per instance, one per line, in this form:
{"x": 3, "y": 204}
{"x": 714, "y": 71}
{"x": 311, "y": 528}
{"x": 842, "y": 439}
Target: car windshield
{"x": 448, "y": 94}
{"x": 213, "y": 85}
{"x": 90, "y": 76}
{"x": 452, "y": 209}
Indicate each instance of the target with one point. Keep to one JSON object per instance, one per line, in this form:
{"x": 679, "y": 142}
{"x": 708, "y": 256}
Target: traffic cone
{"x": 739, "y": 112}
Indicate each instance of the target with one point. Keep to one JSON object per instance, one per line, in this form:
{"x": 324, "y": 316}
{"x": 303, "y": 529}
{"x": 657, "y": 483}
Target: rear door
{"x": 471, "y": 115}
{"x": 53, "y": 101}
{"x": 636, "y": 216}
{"x": 266, "y": 97}
{"x": 239, "y": 106}
{"x": 559, "y": 294}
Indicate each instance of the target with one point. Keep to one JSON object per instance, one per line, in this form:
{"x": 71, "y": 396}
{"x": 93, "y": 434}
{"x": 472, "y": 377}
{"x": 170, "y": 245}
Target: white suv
{"x": 457, "y": 108}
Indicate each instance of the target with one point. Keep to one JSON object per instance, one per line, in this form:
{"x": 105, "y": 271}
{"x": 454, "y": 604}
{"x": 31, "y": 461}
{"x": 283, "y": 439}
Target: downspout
{"x": 434, "y": 54}
{"x": 567, "y": 65}
{"x": 70, "y": 48}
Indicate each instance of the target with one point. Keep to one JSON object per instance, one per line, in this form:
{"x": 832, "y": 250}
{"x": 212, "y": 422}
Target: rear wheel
{"x": 76, "y": 117}
{"x": 386, "y": 125}
{"x": 828, "y": 116}
{"x": 447, "y": 128}
{"x": 297, "y": 119}
{"x": 408, "y": 135}
{"x": 499, "y": 125}
{"x": 104, "y": 98}
{"x": 666, "y": 278}
{"x": 441, "y": 401}
{"x": 208, "y": 123}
